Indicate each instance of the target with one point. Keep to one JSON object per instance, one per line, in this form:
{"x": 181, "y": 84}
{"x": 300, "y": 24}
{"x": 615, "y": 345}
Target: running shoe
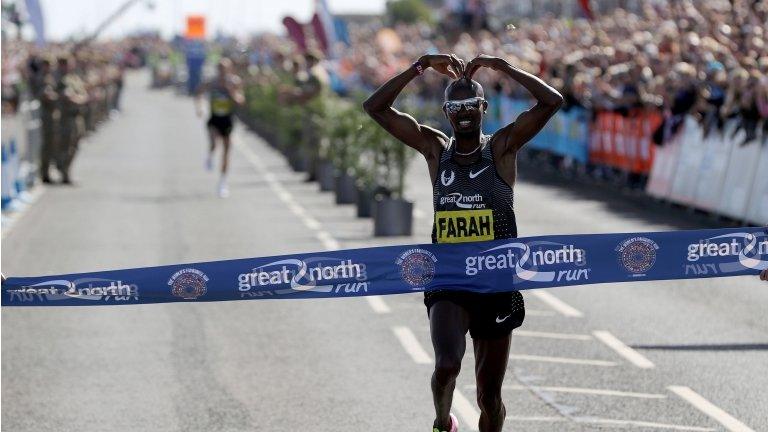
{"x": 223, "y": 189}
{"x": 454, "y": 425}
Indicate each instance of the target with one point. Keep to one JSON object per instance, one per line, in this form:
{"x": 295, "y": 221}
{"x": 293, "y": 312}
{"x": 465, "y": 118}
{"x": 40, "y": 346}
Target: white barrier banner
{"x": 688, "y": 171}
{"x": 716, "y": 154}
{"x": 758, "y": 198}
{"x": 742, "y": 167}
{"x": 664, "y": 166}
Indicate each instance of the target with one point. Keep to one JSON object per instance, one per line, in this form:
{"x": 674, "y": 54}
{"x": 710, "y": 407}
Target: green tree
{"x": 408, "y": 11}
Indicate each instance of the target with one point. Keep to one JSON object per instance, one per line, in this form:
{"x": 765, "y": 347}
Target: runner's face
{"x": 464, "y": 109}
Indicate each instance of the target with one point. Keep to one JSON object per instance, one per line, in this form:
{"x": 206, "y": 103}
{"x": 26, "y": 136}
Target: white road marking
{"x": 328, "y": 241}
{"x": 536, "y": 334}
{"x": 378, "y": 304}
{"x": 536, "y": 418}
{"x": 295, "y": 209}
{"x": 601, "y": 392}
{"x": 623, "y": 350}
{"x": 286, "y": 197}
{"x": 311, "y": 222}
{"x": 582, "y": 390}
{"x": 557, "y": 304}
{"x": 570, "y": 412}
{"x": 604, "y": 421}
{"x": 710, "y": 409}
{"x": 537, "y": 312}
{"x": 268, "y": 176}
{"x": 466, "y": 410}
{"x": 411, "y": 345}
{"x": 566, "y": 360}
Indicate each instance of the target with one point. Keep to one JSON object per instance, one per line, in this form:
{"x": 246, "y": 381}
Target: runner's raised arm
{"x": 424, "y": 139}
{"x": 529, "y": 123}
{"x": 234, "y": 86}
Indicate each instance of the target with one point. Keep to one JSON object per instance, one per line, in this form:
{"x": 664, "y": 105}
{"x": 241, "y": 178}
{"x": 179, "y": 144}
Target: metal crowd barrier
{"x": 714, "y": 173}
{"x": 717, "y": 173}
{"x": 21, "y": 143}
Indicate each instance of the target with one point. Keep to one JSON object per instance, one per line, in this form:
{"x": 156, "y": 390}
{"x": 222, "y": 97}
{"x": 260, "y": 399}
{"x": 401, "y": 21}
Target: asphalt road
{"x": 682, "y": 355}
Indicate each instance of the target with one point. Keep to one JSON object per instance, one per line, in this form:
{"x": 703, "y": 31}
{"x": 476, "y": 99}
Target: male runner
{"x": 224, "y": 92}
{"x": 477, "y": 169}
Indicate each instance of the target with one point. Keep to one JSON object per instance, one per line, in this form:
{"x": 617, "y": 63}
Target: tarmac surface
{"x": 680, "y": 355}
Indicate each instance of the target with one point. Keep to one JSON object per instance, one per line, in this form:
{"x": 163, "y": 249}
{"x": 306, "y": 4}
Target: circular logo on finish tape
{"x": 188, "y": 283}
{"x": 417, "y": 267}
{"x": 637, "y": 254}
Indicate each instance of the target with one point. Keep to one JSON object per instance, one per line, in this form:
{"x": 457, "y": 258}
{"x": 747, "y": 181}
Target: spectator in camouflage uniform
{"x": 71, "y": 96}
{"x": 43, "y": 89}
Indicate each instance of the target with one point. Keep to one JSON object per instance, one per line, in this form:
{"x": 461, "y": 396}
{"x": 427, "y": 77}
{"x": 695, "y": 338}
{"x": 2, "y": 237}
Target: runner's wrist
{"x": 419, "y": 66}
{"x": 499, "y": 63}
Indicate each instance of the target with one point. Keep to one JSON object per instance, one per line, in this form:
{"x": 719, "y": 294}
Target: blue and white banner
{"x": 35, "y": 15}
{"x": 493, "y": 266}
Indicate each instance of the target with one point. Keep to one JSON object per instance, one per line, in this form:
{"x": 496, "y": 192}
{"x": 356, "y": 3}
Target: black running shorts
{"x": 491, "y": 316}
{"x": 222, "y": 124}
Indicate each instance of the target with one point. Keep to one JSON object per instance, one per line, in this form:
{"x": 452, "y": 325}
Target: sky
{"x": 64, "y": 18}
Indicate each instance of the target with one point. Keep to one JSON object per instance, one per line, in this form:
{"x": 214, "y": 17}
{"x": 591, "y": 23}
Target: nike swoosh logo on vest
{"x": 473, "y": 174}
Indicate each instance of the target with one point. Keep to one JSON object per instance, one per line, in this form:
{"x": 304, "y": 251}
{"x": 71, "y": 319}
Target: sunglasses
{"x": 471, "y": 104}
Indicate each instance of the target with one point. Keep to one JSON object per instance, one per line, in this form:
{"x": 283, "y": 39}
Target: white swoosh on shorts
{"x": 499, "y": 321}
{"x": 473, "y": 174}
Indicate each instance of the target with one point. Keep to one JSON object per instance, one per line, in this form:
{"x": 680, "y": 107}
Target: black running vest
{"x": 471, "y": 202}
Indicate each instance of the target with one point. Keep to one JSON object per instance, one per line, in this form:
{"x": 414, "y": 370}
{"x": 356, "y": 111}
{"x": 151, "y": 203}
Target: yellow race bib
{"x": 221, "y": 106}
{"x": 459, "y": 226}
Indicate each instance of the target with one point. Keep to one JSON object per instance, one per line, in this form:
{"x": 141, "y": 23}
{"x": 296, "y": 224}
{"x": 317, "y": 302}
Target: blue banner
{"x": 35, "y": 13}
{"x": 565, "y": 134}
{"x": 572, "y": 138}
{"x": 498, "y": 265}
{"x": 194, "y": 51}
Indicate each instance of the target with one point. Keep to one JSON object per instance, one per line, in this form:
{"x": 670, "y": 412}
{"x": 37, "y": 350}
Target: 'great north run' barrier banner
{"x": 493, "y": 266}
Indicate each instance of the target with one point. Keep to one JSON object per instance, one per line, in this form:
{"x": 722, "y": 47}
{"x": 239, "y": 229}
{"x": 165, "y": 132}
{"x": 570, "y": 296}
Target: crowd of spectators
{"x": 708, "y": 59}
{"x": 72, "y": 87}
{"x": 98, "y": 64}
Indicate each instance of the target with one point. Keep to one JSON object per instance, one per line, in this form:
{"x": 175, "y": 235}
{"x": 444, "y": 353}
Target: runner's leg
{"x": 211, "y": 147}
{"x": 225, "y": 156}
{"x": 448, "y": 325}
{"x": 491, "y": 356}
{"x": 223, "y": 187}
